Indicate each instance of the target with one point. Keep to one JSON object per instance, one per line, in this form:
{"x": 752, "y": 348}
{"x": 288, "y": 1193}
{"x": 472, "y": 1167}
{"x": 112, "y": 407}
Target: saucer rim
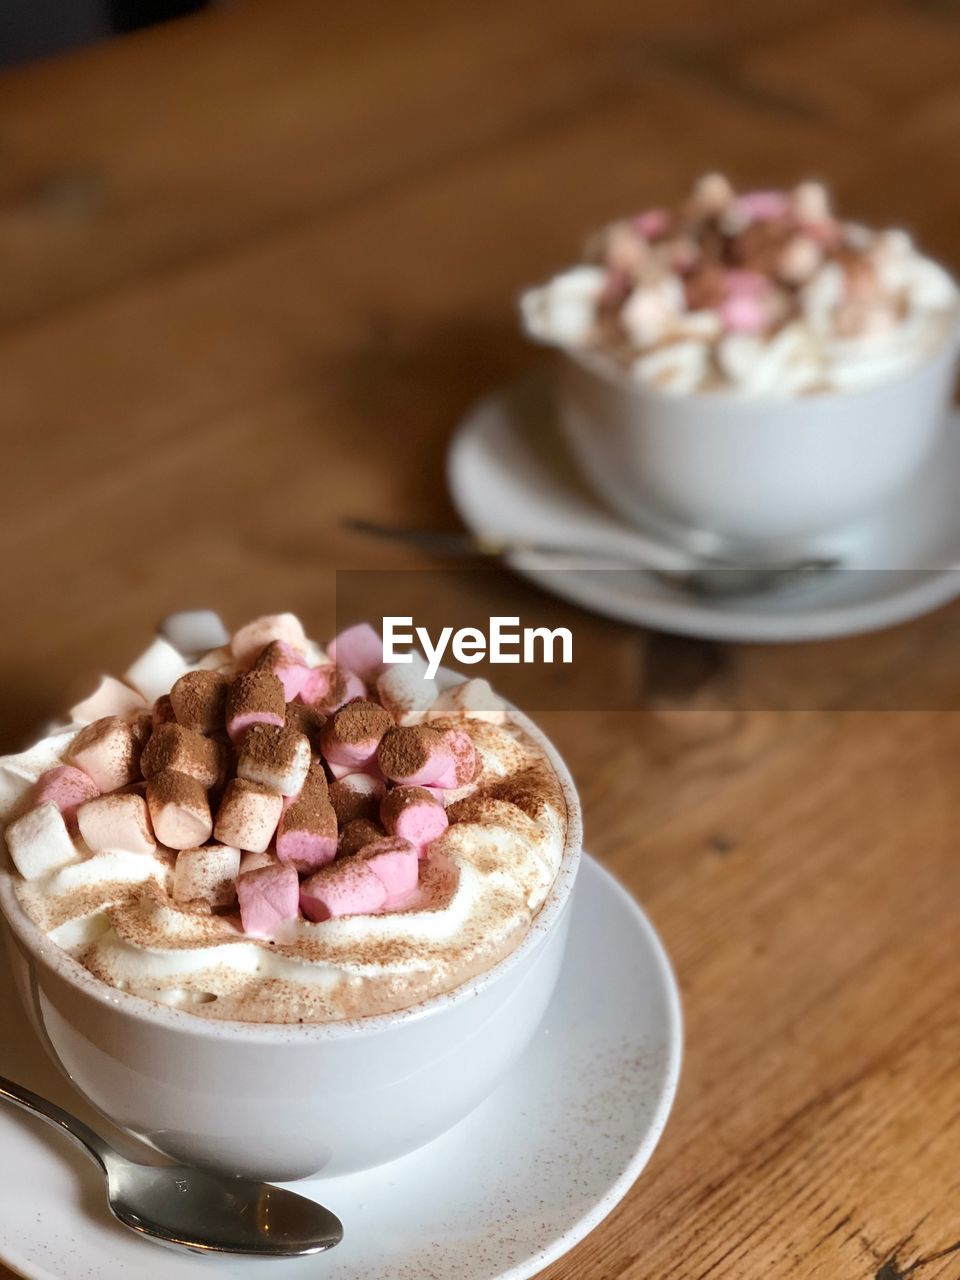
{"x": 689, "y": 617}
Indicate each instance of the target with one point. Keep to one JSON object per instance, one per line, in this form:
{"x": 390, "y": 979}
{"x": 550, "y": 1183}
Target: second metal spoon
{"x": 193, "y": 1209}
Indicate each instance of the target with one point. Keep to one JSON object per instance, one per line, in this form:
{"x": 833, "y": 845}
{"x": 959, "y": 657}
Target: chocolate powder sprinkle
{"x": 405, "y": 750}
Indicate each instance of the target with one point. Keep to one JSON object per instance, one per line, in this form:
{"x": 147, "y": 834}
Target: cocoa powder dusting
{"x": 405, "y": 750}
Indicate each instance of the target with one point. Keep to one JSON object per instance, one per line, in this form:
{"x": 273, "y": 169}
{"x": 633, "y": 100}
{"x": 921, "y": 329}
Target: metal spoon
{"x": 697, "y": 572}
{"x": 190, "y": 1208}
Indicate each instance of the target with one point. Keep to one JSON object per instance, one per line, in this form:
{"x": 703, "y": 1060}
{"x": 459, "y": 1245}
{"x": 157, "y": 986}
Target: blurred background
{"x": 260, "y": 258}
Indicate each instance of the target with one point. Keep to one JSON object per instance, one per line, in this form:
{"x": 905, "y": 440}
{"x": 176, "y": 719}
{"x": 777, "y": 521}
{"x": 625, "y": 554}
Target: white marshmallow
{"x": 564, "y": 310}
{"x": 117, "y": 823}
{"x": 651, "y": 312}
{"x": 195, "y": 631}
{"x": 250, "y": 641}
{"x": 206, "y": 875}
{"x": 156, "y": 670}
{"x": 472, "y": 698}
{"x": 39, "y": 841}
{"x": 110, "y": 698}
{"x": 248, "y": 816}
{"x": 406, "y": 691}
{"x": 108, "y": 751}
{"x": 287, "y": 777}
{"x": 179, "y": 810}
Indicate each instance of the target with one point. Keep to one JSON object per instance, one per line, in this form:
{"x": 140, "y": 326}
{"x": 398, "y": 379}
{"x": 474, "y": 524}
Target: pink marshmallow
{"x": 268, "y": 896}
{"x": 414, "y": 756}
{"x": 743, "y": 314}
{"x": 396, "y": 864}
{"x": 359, "y": 649}
{"x": 67, "y": 788}
{"x": 287, "y": 665}
{"x": 329, "y": 688}
{"x": 415, "y": 815}
{"x": 238, "y": 725}
{"x": 352, "y": 734}
{"x": 348, "y": 887}
{"x": 307, "y": 834}
{"x": 761, "y": 206}
{"x": 651, "y": 223}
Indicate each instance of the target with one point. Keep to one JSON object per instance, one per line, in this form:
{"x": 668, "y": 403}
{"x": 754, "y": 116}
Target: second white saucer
{"x": 510, "y": 476}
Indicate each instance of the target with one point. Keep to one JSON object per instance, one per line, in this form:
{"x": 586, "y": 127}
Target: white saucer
{"x": 510, "y": 476}
{"x": 513, "y": 1187}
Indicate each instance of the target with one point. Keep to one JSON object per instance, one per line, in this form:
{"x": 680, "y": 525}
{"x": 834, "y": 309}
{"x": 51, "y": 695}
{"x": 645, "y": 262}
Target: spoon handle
{"x": 82, "y": 1134}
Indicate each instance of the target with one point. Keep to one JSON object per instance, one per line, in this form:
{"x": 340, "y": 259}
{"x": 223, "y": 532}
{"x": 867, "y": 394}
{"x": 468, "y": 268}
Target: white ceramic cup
{"x": 278, "y": 1101}
{"x": 765, "y": 473}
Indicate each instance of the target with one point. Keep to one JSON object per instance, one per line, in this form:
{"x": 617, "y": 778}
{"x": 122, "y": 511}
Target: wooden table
{"x": 256, "y": 263}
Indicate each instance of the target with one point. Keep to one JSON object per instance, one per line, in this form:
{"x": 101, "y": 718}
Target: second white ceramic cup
{"x": 765, "y": 473}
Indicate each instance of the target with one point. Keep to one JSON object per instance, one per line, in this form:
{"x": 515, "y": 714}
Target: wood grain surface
{"x": 257, "y": 263}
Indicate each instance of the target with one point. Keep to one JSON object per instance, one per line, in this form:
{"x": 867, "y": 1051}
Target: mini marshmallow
{"x": 564, "y": 310}
{"x": 250, "y": 641}
{"x": 277, "y": 757}
{"x": 67, "y": 788}
{"x": 414, "y": 814}
{"x": 156, "y": 669}
{"x": 199, "y": 700}
{"x": 268, "y": 896}
{"x": 107, "y": 750}
{"x": 649, "y": 313}
{"x": 254, "y": 698}
{"x": 712, "y": 195}
{"x": 395, "y": 862}
{"x": 307, "y": 834}
{"x": 357, "y": 835}
{"x": 118, "y": 823}
{"x": 352, "y": 734}
{"x": 406, "y": 691}
{"x": 349, "y": 887}
{"x": 172, "y": 747}
{"x": 358, "y": 649}
{"x": 328, "y": 688}
{"x": 651, "y": 224}
{"x": 415, "y": 756}
{"x": 357, "y": 795}
{"x": 206, "y": 878}
{"x": 473, "y": 698}
{"x": 39, "y": 841}
{"x": 194, "y": 631}
{"x": 287, "y": 664}
{"x": 248, "y": 815}
{"x": 179, "y": 810}
{"x": 110, "y": 698}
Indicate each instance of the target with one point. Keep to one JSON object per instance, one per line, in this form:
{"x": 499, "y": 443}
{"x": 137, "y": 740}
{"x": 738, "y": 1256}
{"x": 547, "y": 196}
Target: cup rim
{"x": 43, "y": 949}
{"x": 596, "y": 363}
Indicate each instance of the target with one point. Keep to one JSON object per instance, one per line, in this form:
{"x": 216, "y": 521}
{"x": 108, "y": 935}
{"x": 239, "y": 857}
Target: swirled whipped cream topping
{"x": 257, "y": 828}
{"x": 761, "y": 293}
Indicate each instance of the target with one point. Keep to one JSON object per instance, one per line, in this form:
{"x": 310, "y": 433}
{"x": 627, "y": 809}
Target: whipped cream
{"x": 478, "y": 884}
{"x": 763, "y": 293}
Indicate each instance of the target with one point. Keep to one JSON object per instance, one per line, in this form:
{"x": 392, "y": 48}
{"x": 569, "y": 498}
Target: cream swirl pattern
{"x": 352, "y": 845}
